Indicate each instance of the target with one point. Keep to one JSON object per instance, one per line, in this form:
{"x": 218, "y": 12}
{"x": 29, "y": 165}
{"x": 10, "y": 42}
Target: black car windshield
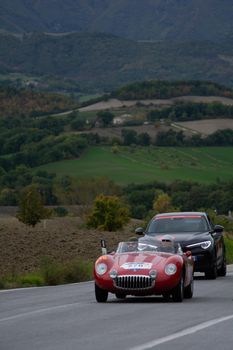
{"x": 177, "y": 225}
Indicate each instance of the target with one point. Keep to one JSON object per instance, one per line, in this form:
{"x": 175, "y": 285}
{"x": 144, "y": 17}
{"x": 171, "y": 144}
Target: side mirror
{"x": 218, "y": 228}
{"x": 188, "y": 253}
{"x": 103, "y": 247}
{"x": 139, "y": 231}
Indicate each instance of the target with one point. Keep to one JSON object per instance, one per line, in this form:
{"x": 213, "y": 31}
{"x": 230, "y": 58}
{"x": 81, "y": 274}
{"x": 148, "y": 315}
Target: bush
{"x": 74, "y": 271}
{"x": 30, "y": 280}
{"x": 51, "y": 273}
{"x": 139, "y": 211}
{"x": 229, "y": 248}
{"x": 109, "y": 213}
{"x": 77, "y": 271}
{"x": 60, "y": 211}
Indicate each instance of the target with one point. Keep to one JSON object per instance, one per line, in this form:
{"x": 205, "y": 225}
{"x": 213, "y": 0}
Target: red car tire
{"x": 100, "y": 294}
{"x": 178, "y": 291}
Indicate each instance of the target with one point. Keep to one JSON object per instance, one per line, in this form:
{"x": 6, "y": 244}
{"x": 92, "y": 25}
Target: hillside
{"x": 18, "y": 102}
{"x": 138, "y": 20}
{"x": 141, "y": 165}
{"x": 60, "y": 239}
{"x": 104, "y": 62}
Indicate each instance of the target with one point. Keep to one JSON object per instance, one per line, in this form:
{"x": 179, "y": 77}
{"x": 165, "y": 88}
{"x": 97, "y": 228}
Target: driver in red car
{"x": 169, "y": 245}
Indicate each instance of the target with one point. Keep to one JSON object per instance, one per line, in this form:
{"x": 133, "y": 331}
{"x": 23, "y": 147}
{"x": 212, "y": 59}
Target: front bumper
{"x": 139, "y": 285}
{"x": 203, "y": 260}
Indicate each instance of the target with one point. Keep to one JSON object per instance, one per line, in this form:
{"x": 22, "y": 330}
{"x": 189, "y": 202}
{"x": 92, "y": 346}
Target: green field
{"x": 146, "y": 164}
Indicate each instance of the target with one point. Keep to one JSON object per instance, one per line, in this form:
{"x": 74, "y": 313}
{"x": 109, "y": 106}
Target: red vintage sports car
{"x": 148, "y": 267}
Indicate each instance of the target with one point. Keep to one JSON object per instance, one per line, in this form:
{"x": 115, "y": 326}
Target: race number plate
{"x": 136, "y": 266}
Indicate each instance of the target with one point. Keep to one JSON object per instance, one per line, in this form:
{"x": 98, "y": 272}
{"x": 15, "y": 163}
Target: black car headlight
{"x": 203, "y": 245}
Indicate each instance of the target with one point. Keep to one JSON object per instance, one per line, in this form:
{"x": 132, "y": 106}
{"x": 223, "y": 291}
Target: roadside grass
{"x": 50, "y": 274}
{"x": 228, "y": 238}
{"x": 146, "y": 164}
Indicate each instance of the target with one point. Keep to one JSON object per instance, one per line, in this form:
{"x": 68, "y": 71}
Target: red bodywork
{"x": 137, "y": 265}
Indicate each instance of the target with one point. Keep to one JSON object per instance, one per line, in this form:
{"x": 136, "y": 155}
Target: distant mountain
{"x": 104, "y": 62}
{"x": 133, "y": 19}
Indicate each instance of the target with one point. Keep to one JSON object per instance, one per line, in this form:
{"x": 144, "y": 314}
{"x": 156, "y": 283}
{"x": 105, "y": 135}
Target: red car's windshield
{"x": 177, "y": 224}
{"x": 147, "y": 246}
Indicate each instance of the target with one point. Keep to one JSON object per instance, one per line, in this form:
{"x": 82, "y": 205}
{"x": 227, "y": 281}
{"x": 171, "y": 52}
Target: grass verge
{"x": 50, "y": 273}
{"x": 229, "y": 248}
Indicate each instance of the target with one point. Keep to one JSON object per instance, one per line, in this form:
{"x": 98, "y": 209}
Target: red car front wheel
{"x": 100, "y": 294}
{"x": 178, "y": 291}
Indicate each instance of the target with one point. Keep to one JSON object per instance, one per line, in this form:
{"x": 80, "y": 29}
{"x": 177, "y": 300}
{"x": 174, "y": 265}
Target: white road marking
{"x": 40, "y": 311}
{"x": 183, "y": 333}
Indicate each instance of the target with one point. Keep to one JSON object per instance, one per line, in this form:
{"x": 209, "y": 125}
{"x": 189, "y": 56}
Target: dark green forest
{"x": 162, "y": 89}
{"x": 103, "y": 62}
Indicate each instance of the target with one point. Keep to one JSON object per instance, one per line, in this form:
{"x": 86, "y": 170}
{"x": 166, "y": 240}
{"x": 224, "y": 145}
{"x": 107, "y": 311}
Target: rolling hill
{"x": 138, "y": 20}
{"x": 203, "y": 164}
{"x": 104, "y": 62}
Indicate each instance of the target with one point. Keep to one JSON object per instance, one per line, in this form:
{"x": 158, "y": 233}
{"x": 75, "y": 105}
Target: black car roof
{"x": 183, "y": 213}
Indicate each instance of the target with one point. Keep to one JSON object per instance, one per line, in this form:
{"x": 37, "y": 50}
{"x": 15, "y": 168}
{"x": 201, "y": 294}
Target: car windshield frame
{"x": 177, "y": 224}
{"x": 147, "y": 246}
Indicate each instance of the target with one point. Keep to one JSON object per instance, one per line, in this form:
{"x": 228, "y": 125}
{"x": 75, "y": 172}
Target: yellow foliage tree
{"x": 163, "y": 204}
{"x": 108, "y": 213}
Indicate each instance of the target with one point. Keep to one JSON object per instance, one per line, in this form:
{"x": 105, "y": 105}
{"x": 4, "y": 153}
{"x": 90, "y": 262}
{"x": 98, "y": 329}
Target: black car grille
{"x": 134, "y": 282}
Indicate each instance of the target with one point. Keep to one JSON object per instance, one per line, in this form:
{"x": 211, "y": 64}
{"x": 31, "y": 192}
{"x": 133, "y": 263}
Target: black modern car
{"x": 196, "y": 233}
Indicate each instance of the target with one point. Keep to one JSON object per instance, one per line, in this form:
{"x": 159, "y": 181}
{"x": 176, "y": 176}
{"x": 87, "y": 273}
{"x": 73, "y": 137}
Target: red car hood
{"x": 142, "y": 261}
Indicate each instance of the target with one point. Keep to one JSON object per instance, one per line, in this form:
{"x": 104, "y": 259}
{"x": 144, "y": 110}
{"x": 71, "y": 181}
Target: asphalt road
{"x": 68, "y": 317}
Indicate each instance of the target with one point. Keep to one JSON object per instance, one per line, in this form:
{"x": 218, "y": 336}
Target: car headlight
{"x": 153, "y": 274}
{"x": 113, "y": 274}
{"x": 203, "y": 245}
{"x": 170, "y": 269}
{"x": 101, "y": 268}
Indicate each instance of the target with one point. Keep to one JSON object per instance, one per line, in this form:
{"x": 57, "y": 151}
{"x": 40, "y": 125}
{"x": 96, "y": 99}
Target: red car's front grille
{"x": 133, "y": 282}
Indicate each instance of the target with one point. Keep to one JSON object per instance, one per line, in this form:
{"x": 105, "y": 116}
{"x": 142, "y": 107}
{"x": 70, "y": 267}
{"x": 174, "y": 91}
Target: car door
{"x": 218, "y": 242}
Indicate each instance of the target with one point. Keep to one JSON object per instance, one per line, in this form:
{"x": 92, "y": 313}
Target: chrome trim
{"x": 134, "y": 282}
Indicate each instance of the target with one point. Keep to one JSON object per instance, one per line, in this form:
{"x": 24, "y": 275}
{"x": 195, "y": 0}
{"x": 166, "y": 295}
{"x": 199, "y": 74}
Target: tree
{"x": 129, "y": 136}
{"x": 143, "y": 139}
{"x": 163, "y": 203}
{"x": 106, "y": 117}
{"x": 31, "y": 209}
{"x": 109, "y": 213}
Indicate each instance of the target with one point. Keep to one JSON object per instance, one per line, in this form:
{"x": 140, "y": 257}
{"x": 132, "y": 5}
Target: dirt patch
{"x": 115, "y": 103}
{"x": 62, "y": 239}
{"x": 204, "y": 99}
{"x": 208, "y": 126}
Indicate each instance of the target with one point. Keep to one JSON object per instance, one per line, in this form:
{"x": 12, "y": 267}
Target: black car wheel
{"x": 100, "y": 294}
{"x": 178, "y": 291}
{"x": 188, "y": 291}
{"x": 212, "y": 272}
{"x": 223, "y": 269}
